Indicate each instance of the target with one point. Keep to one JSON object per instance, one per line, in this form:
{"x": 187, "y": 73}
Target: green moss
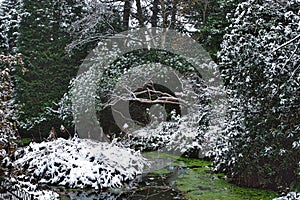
{"x": 155, "y": 154}
{"x": 64, "y": 197}
{"x": 199, "y": 183}
{"x": 160, "y": 172}
{"x": 23, "y": 141}
{"x": 191, "y": 162}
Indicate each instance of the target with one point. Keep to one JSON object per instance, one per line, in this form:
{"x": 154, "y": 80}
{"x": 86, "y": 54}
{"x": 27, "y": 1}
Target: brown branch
{"x": 164, "y": 13}
{"x": 164, "y": 100}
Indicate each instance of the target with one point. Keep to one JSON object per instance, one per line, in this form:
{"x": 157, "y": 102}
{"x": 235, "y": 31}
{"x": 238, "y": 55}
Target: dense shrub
{"x": 260, "y": 64}
{"x": 8, "y": 108}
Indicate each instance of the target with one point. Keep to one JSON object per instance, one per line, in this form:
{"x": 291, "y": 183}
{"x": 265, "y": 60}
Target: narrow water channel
{"x": 168, "y": 179}
{"x": 150, "y": 186}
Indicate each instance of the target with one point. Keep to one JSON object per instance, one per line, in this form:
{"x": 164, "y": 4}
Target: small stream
{"x": 151, "y": 186}
{"x": 168, "y": 178}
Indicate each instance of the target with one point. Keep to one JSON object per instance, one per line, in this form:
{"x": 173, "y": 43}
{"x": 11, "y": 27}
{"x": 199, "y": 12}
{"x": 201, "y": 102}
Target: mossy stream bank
{"x": 196, "y": 181}
{"x": 182, "y": 178}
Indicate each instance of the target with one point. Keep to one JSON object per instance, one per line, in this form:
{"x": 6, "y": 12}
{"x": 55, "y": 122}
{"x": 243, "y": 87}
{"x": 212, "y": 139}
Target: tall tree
{"x": 8, "y": 108}
{"x": 10, "y": 17}
{"x": 204, "y": 20}
{"x": 127, "y": 14}
{"x": 42, "y": 41}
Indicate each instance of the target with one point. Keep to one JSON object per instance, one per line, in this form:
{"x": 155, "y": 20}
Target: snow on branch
{"x": 288, "y": 42}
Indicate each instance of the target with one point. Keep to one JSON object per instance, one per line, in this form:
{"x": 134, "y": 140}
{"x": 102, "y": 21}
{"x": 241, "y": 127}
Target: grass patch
{"x": 177, "y": 160}
{"x": 191, "y": 163}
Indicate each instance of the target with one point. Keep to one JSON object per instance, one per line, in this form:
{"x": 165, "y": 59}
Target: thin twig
{"x": 288, "y": 42}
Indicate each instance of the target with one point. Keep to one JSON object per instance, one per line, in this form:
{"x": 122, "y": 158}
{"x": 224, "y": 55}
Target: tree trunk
{"x": 174, "y": 13}
{"x": 164, "y": 13}
{"x": 126, "y": 14}
{"x": 154, "y": 13}
{"x": 140, "y": 13}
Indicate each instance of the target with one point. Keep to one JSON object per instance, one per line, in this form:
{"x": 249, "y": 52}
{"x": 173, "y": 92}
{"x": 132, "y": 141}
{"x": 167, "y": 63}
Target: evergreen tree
{"x": 42, "y": 41}
{"x": 10, "y": 17}
{"x": 8, "y": 108}
{"x": 213, "y": 23}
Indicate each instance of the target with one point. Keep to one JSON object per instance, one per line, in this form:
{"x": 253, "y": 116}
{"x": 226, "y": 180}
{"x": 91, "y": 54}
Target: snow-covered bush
{"x": 10, "y": 18}
{"x": 186, "y": 136}
{"x": 8, "y": 108}
{"x": 289, "y": 196}
{"x": 260, "y": 64}
{"x": 79, "y": 163}
{"x": 26, "y": 190}
{"x": 96, "y": 89}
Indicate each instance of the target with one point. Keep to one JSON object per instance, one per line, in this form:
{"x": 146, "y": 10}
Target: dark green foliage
{"x": 42, "y": 41}
{"x": 213, "y": 17}
{"x": 260, "y": 147}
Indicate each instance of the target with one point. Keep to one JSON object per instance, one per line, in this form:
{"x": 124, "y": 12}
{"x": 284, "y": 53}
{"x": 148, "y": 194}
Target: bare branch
{"x": 288, "y": 42}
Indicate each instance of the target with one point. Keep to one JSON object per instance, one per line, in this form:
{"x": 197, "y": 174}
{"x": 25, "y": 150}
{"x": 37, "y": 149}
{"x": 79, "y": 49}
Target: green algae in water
{"x": 161, "y": 172}
{"x": 23, "y": 141}
{"x": 177, "y": 161}
{"x": 191, "y": 163}
{"x": 155, "y": 154}
{"x": 199, "y": 183}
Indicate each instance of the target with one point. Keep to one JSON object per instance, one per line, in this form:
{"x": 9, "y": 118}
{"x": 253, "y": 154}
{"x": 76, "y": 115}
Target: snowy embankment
{"x": 79, "y": 163}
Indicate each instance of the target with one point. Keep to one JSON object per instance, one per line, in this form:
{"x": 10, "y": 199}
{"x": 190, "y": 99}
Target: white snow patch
{"x": 80, "y": 163}
{"x": 289, "y": 196}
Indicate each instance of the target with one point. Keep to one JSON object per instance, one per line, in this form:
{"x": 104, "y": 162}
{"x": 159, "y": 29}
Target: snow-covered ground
{"x": 79, "y": 163}
{"x": 15, "y": 189}
{"x": 290, "y": 196}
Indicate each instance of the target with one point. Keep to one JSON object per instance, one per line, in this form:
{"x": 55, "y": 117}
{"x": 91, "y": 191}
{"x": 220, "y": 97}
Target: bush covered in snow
{"x": 187, "y": 136}
{"x": 25, "y": 190}
{"x": 289, "y": 196}
{"x": 260, "y": 64}
{"x": 8, "y": 109}
{"x": 79, "y": 163}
